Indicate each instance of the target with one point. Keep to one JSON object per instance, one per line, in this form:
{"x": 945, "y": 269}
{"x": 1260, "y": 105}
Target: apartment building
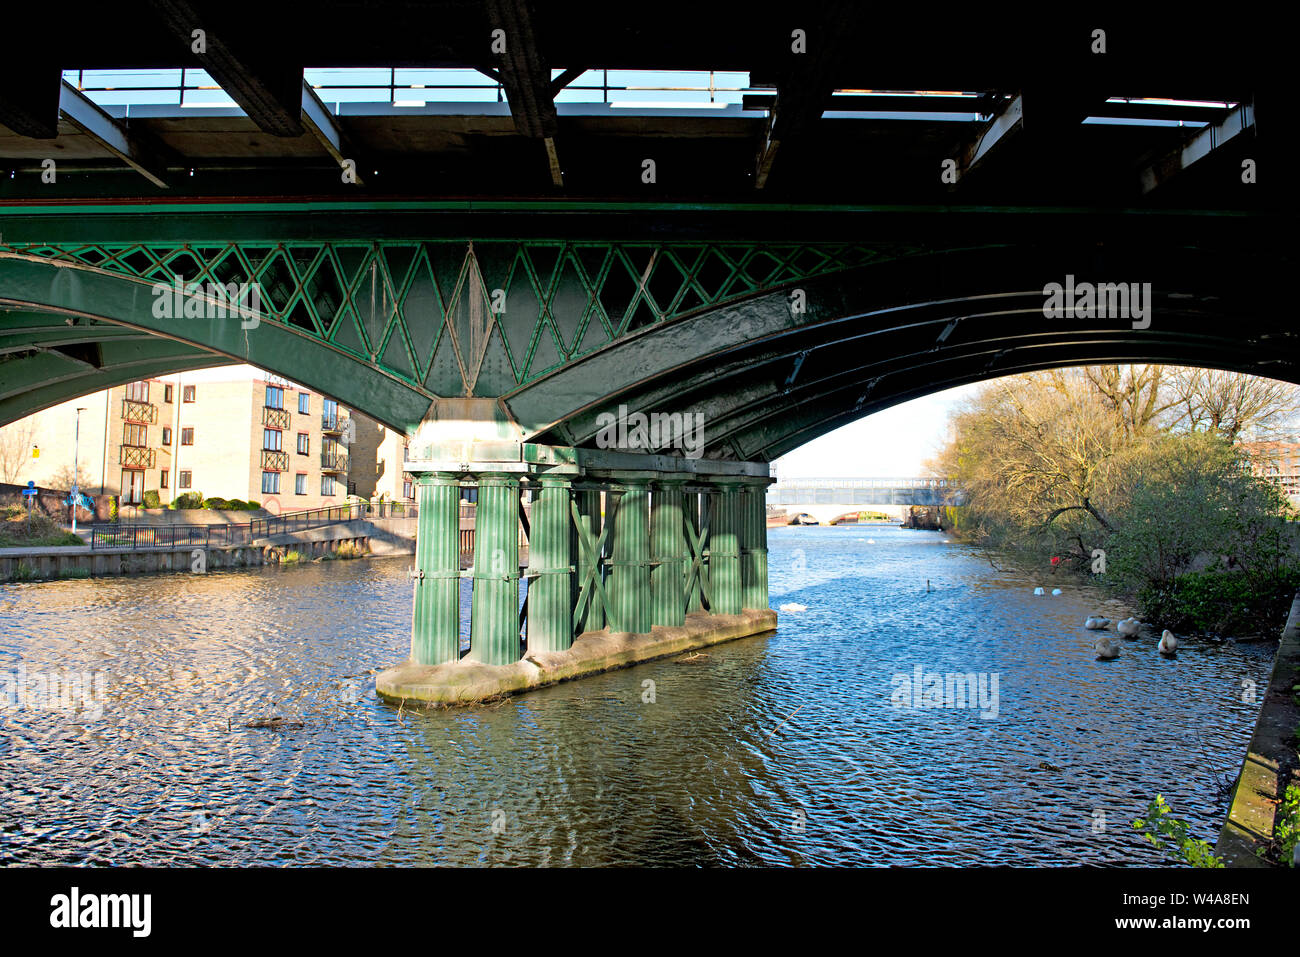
{"x": 114, "y": 436}
{"x": 378, "y": 454}
{"x": 1279, "y": 462}
{"x": 234, "y": 433}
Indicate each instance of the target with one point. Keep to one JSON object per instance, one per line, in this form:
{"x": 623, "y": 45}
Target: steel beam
{"x": 323, "y": 125}
{"x": 112, "y": 135}
{"x": 1237, "y": 122}
{"x": 267, "y": 85}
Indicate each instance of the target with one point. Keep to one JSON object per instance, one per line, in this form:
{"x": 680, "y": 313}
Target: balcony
{"x": 333, "y": 462}
{"x": 275, "y": 461}
{"x": 136, "y": 456}
{"x": 275, "y": 418}
{"x": 144, "y": 412}
{"x": 334, "y": 424}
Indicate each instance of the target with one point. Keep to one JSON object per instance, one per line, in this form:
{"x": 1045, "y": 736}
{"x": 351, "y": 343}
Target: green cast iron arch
{"x": 768, "y": 379}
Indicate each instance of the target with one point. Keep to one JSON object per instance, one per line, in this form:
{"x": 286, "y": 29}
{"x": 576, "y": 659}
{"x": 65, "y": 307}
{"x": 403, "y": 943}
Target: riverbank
{"x": 1257, "y": 821}
{"x": 81, "y": 561}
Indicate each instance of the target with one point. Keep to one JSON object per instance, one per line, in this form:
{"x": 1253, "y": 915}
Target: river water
{"x": 788, "y": 749}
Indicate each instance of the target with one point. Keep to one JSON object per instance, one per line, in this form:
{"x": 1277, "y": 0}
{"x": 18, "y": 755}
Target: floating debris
{"x": 793, "y": 606}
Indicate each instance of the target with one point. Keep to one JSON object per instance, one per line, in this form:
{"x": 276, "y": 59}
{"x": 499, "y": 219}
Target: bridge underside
{"x": 765, "y": 343}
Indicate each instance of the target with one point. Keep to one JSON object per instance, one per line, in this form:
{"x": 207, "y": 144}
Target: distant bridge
{"x": 828, "y": 498}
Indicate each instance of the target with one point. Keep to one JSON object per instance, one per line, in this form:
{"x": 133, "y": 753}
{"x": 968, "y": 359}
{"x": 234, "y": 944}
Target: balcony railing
{"x": 136, "y": 457}
{"x": 275, "y": 418}
{"x": 275, "y": 461}
{"x": 334, "y": 423}
{"x": 333, "y": 462}
{"x": 139, "y": 411}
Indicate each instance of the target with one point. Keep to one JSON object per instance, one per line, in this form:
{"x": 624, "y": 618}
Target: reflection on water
{"x": 782, "y": 749}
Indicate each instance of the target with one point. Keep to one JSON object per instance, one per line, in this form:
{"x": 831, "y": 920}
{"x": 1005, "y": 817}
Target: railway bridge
{"x": 618, "y": 266}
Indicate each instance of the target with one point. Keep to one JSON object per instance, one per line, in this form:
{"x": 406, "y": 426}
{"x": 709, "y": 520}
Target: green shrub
{"x": 112, "y": 509}
{"x": 1172, "y": 836}
{"x": 188, "y": 500}
{"x": 1222, "y": 602}
{"x": 151, "y": 499}
{"x": 236, "y": 504}
{"x": 252, "y": 506}
{"x": 215, "y": 502}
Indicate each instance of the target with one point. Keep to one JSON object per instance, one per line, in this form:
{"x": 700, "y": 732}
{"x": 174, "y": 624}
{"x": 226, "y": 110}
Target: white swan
{"x": 793, "y": 606}
{"x": 1056, "y": 591}
{"x": 1106, "y": 649}
{"x": 1096, "y": 623}
{"x": 1129, "y": 627}
{"x": 1040, "y": 590}
{"x": 1168, "y": 643}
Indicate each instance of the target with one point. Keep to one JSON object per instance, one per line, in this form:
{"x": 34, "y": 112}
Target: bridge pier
{"x": 630, "y": 557}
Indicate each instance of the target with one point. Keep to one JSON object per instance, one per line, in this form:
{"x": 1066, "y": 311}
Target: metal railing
{"x": 334, "y": 423}
{"x": 104, "y": 537}
{"x": 836, "y": 483}
{"x": 133, "y": 411}
{"x": 275, "y": 418}
{"x": 275, "y": 460}
{"x": 136, "y": 456}
{"x": 333, "y": 462}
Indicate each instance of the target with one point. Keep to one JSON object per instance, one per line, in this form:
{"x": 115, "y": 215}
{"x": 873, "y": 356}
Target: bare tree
{"x": 15, "y": 447}
{"x": 1229, "y": 403}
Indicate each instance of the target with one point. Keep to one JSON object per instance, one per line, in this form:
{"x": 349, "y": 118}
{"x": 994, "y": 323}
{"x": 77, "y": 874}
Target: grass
{"x": 290, "y": 558}
{"x": 76, "y": 572}
{"x": 41, "y": 531}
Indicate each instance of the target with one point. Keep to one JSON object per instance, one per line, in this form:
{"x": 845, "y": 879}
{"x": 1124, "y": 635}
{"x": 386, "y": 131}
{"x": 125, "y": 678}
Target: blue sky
{"x": 892, "y": 443}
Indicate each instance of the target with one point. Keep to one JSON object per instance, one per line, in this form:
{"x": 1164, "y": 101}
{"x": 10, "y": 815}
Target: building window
{"x": 408, "y": 488}
{"x": 271, "y": 482}
{"x": 187, "y": 436}
{"x": 187, "y": 394}
{"x": 327, "y": 485}
{"x": 304, "y": 400}
{"x": 274, "y": 397}
{"x": 300, "y": 484}
{"x": 132, "y": 487}
{"x": 162, "y": 479}
{"x": 135, "y": 435}
{"x": 271, "y": 439}
{"x": 304, "y": 443}
{"x": 167, "y": 435}
{"x": 167, "y": 393}
{"x": 137, "y": 392}
{"x": 184, "y": 480}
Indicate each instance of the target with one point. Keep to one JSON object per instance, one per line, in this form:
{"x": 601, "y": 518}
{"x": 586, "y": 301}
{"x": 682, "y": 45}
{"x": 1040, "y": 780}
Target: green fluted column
{"x": 668, "y": 548}
{"x": 551, "y": 593}
{"x": 629, "y": 574}
{"x": 695, "y": 595}
{"x": 724, "y": 550}
{"x": 588, "y": 502}
{"x": 753, "y": 546}
{"x": 435, "y": 627}
{"x": 494, "y": 613}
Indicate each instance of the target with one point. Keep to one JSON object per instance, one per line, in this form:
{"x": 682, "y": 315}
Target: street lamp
{"x": 75, "y": 494}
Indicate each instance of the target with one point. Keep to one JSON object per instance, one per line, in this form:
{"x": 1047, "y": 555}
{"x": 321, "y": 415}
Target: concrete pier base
{"x": 467, "y": 681}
